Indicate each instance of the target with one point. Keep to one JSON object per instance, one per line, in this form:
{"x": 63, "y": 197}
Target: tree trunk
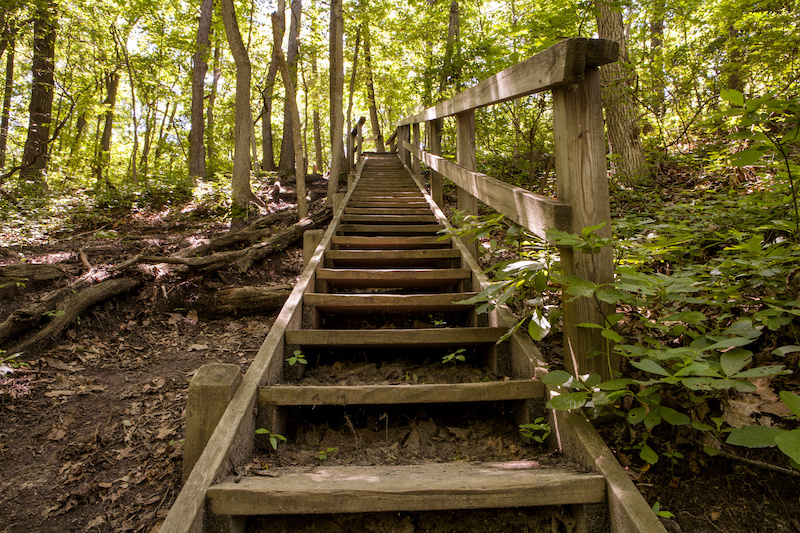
{"x": 348, "y": 116}
{"x": 373, "y": 108}
{"x": 286, "y": 162}
{"x": 451, "y": 68}
{"x": 336, "y": 90}
{"x": 267, "y": 145}
{"x": 103, "y": 158}
{"x": 211, "y": 148}
{"x": 197, "y": 153}
{"x": 291, "y": 99}
{"x": 34, "y": 157}
{"x": 135, "y": 121}
{"x": 622, "y": 118}
{"x": 657, "y": 58}
{"x": 241, "y": 195}
{"x": 8, "y": 90}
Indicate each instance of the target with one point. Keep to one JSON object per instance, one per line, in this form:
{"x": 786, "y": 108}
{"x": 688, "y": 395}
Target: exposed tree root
{"x": 73, "y": 305}
{"x": 227, "y": 301}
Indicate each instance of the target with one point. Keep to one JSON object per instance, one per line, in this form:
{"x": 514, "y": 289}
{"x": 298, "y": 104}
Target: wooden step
{"x": 382, "y": 243}
{"x": 416, "y": 204}
{"x": 492, "y": 391}
{"x": 349, "y": 338}
{"x": 393, "y": 278}
{"x": 390, "y": 219}
{"x": 425, "y": 487}
{"x": 389, "y": 303}
{"x": 387, "y": 211}
{"x": 392, "y": 229}
{"x": 388, "y": 258}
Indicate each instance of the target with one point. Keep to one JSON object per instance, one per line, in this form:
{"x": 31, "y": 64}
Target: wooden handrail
{"x": 570, "y": 70}
{"x": 562, "y": 64}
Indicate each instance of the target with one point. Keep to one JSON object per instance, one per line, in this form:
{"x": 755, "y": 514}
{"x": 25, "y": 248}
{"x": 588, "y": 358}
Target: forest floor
{"x": 91, "y": 431}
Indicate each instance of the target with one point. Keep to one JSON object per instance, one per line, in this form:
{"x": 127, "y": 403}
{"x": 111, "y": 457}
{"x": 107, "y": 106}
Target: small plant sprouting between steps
{"x": 273, "y": 437}
{"x": 297, "y": 357}
{"x": 455, "y": 357}
{"x": 539, "y": 430}
{"x": 323, "y": 454}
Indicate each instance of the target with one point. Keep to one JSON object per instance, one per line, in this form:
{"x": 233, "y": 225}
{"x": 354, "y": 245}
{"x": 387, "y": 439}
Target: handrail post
{"x": 582, "y": 182}
{"x": 402, "y": 138}
{"x": 435, "y": 147}
{"x": 416, "y": 167}
{"x": 466, "y": 157}
{"x": 359, "y": 142}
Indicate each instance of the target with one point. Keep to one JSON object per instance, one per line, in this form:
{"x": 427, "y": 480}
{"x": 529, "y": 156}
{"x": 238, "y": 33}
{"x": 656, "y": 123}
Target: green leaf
{"x": 734, "y": 360}
{"x": 742, "y": 328}
{"x": 612, "y": 296}
{"x": 785, "y": 350}
{"x": 636, "y": 415}
{"x": 615, "y": 384}
{"x": 567, "y": 402}
{"x": 611, "y": 335}
{"x": 754, "y": 436}
{"x": 760, "y": 372}
{"x": 648, "y": 365}
{"x": 729, "y": 343}
{"x": 733, "y": 96}
{"x": 647, "y": 454}
{"x": 538, "y": 327}
{"x": 652, "y": 418}
{"x": 557, "y": 378}
{"x": 676, "y": 418}
{"x": 792, "y": 401}
{"x": 701, "y": 426}
{"x": 789, "y": 443}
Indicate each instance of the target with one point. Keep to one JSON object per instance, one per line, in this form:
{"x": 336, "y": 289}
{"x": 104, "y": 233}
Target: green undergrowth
{"x": 706, "y": 297}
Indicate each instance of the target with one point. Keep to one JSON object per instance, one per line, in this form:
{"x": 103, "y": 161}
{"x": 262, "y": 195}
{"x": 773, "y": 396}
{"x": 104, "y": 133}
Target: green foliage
{"x": 273, "y": 437}
{"x": 455, "y": 356}
{"x": 538, "y": 431}
{"x": 297, "y": 357}
{"x": 322, "y": 455}
{"x": 787, "y": 441}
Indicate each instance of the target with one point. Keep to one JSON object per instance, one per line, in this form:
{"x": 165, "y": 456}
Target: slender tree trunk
{"x": 285, "y": 164}
{"x": 622, "y": 117}
{"x": 267, "y": 145}
{"x": 735, "y": 57}
{"x": 348, "y": 116}
{"x": 104, "y": 153}
{"x": 451, "y": 69}
{"x": 336, "y": 89}
{"x": 291, "y": 99}
{"x": 8, "y": 90}
{"x": 241, "y": 195}
{"x": 147, "y": 143}
{"x": 211, "y": 148}
{"x": 657, "y": 58}
{"x": 197, "y": 153}
{"x": 373, "y": 107}
{"x": 134, "y": 173}
{"x": 35, "y": 153}
{"x": 80, "y": 127}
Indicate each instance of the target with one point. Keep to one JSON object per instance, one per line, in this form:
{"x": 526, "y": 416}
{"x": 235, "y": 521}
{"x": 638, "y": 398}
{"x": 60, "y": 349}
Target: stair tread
{"x": 386, "y": 242}
{"x": 450, "y": 337}
{"x": 423, "y": 487}
{"x": 490, "y": 391}
{"x": 388, "y": 303}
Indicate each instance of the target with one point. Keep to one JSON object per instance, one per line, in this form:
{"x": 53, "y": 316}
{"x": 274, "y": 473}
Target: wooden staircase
{"x": 388, "y": 261}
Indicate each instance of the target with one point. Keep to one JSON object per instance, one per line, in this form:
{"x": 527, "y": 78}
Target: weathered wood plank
{"x": 561, "y": 64}
{"x": 459, "y": 485}
{"x": 533, "y": 211}
{"x": 392, "y": 255}
{"x": 398, "y": 242}
{"x": 345, "y": 338}
{"x": 391, "y": 219}
{"x": 389, "y": 303}
{"x": 385, "y": 229}
{"x": 393, "y": 277}
{"x": 386, "y": 211}
{"x": 494, "y": 391}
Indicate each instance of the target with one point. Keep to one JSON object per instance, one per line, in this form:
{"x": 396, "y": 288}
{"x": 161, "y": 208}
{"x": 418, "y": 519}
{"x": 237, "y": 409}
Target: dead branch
{"x": 228, "y": 301}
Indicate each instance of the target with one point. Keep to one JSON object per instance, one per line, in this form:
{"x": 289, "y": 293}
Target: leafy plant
{"x": 54, "y": 313}
{"x": 273, "y": 437}
{"x": 323, "y": 454}
{"x": 10, "y": 363}
{"x": 18, "y": 282}
{"x": 455, "y": 357}
{"x": 297, "y": 357}
{"x": 539, "y": 430}
{"x": 787, "y": 441}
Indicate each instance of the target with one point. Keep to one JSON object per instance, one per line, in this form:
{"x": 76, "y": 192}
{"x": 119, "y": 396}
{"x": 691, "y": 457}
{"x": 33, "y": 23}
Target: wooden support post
{"x": 350, "y": 150}
{"x": 210, "y": 390}
{"x": 435, "y": 147}
{"x": 583, "y": 183}
{"x": 338, "y": 198}
{"x": 416, "y": 167}
{"x": 466, "y": 158}
{"x": 359, "y": 143}
{"x": 402, "y": 138}
{"x": 311, "y": 239}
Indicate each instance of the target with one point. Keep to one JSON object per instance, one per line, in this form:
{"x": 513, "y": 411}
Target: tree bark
{"x": 451, "y": 68}
{"x": 622, "y": 117}
{"x": 373, "y": 107}
{"x": 267, "y": 144}
{"x": 197, "y": 152}
{"x": 104, "y": 153}
{"x": 336, "y": 90}
{"x": 348, "y": 116}
{"x": 291, "y": 100}
{"x": 8, "y": 90}
{"x": 287, "y": 159}
{"x": 228, "y": 301}
{"x": 40, "y": 110}
{"x": 241, "y": 194}
{"x": 211, "y": 148}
